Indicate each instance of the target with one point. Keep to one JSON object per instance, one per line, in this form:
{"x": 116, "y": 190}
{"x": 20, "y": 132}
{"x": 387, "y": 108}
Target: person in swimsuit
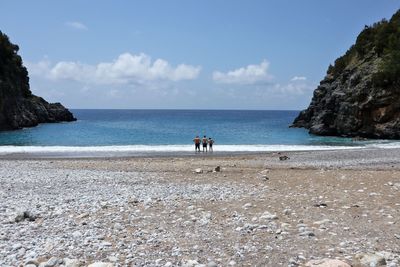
{"x": 210, "y": 144}
{"x": 205, "y": 141}
{"x": 196, "y": 141}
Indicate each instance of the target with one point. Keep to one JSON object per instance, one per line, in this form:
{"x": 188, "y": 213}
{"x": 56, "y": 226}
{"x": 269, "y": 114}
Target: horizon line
{"x": 185, "y": 109}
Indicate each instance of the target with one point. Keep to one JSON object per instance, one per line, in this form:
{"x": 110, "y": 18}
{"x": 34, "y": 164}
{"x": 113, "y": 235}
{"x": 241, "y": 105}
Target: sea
{"x": 106, "y": 132}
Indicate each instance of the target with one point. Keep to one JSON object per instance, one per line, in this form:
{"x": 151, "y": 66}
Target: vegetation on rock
{"x": 360, "y": 95}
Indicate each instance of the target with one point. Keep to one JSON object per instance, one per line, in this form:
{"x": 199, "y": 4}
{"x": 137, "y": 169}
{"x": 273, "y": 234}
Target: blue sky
{"x": 184, "y": 54}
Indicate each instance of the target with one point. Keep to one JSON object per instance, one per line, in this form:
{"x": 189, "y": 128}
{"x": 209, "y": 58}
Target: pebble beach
{"x": 314, "y": 208}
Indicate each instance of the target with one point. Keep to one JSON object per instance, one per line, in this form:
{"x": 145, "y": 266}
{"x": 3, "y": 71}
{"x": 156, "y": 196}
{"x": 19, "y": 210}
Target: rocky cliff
{"x": 18, "y": 106}
{"x": 360, "y": 95}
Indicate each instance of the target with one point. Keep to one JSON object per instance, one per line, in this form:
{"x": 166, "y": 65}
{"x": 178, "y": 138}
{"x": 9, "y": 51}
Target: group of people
{"x": 205, "y": 142}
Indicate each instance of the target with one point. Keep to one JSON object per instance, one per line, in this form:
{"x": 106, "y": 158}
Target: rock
{"x": 190, "y": 263}
{"x": 356, "y": 99}
{"x": 19, "y": 107}
{"x": 71, "y": 262}
{"x": 211, "y": 264}
{"x": 247, "y": 205}
{"x": 268, "y": 216}
{"x": 284, "y": 158}
{"x": 327, "y": 263}
{"x": 320, "y": 205}
{"x": 101, "y": 264}
{"x": 16, "y": 246}
{"x": 24, "y": 215}
{"x": 52, "y": 262}
{"x": 370, "y": 260}
{"x": 307, "y": 233}
{"x": 112, "y": 258}
{"x": 217, "y": 169}
{"x": 198, "y": 171}
{"x": 32, "y": 262}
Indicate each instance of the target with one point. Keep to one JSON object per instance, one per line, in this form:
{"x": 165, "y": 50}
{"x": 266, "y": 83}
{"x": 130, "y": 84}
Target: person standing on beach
{"x": 196, "y": 141}
{"x": 210, "y": 144}
{"x": 205, "y": 141}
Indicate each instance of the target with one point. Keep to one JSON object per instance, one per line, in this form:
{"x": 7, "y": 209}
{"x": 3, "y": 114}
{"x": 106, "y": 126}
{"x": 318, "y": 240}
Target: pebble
{"x": 327, "y": 263}
{"x": 101, "y": 264}
{"x": 71, "y": 262}
{"x": 146, "y": 218}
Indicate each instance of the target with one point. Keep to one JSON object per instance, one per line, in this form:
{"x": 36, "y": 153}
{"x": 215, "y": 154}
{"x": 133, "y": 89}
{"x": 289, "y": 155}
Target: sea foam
{"x": 159, "y": 149}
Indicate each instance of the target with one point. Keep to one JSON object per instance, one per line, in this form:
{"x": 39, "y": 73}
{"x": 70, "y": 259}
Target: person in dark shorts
{"x": 196, "y": 141}
{"x": 205, "y": 141}
{"x": 210, "y": 144}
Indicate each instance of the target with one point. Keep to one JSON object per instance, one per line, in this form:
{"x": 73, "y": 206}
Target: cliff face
{"x": 360, "y": 95}
{"x": 18, "y": 106}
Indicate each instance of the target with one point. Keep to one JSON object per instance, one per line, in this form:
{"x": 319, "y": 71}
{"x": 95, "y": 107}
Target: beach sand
{"x": 257, "y": 210}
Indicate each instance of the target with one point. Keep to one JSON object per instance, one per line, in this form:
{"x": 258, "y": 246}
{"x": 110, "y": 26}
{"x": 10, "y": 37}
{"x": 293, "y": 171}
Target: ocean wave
{"x": 140, "y": 149}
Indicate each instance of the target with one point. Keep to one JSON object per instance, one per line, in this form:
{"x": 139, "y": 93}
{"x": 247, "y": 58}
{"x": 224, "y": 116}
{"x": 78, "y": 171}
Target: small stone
{"x": 307, "y": 233}
{"x": 324, "y": 221}
{"x": 284, "y": 157}
{"x": 198, "y": 170}
{"x": 76, "y": 234}
{"x": 211, "y": 264}
{"x": 326, "y": 263}
{"x": 321, "y": 205}
{"x": 217, "y": 169}
{"x": 21, "y": 252}
{"x": 190, "y": 263}
{"x": 32, "y": 262}
{"x": 101, "y": 264}
{"x": 83, "y": 215}
{"x": 106, "y": 244}
{"x": 372, "y": 260}
{"x": 53, "y": 261}
{"x": 112, "y": 258}
{"x": 268, "y": 216}
{"x": 16, "y": 246}
{"x": 247, "y": 205}
{"x": 71, "y": 262}
{"x": 19, "y": 217}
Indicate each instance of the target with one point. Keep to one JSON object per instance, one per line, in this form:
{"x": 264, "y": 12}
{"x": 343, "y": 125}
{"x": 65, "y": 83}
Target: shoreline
{"x": 368, "y": 158}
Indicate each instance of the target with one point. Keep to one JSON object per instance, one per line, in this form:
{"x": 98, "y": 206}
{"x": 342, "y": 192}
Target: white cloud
{"x": 294, "y": 87}
{"x": 298, "y": 78}
{"x": 126, "y": 69}
{"x": 251, "y": 74}
{"x": 77, "y": 25}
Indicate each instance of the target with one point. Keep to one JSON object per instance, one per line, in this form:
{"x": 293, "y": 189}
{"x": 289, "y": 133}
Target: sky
{"x": 211, "y": 54}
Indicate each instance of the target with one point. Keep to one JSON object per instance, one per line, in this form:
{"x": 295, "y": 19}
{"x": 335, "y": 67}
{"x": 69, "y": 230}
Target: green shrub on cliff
{"x": 383, "y": 40}
{"x": 14, "y": 78}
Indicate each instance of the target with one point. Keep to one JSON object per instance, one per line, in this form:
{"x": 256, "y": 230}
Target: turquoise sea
{"x": 147, "y": 131}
